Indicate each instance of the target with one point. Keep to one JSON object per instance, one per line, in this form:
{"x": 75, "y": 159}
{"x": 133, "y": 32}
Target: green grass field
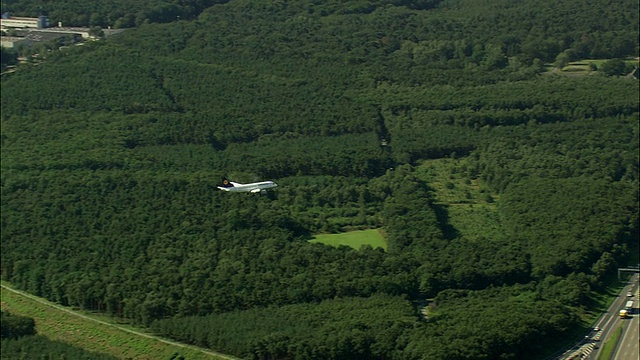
{"x": 583, "y": 67}
{"x": 354, "y": 239}
{"x": 59, "y": 324}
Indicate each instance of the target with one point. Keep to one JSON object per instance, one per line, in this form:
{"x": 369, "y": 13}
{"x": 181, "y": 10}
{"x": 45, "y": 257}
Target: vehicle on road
{"x": 623, "y": 314}
{"x": 627, "y": 310}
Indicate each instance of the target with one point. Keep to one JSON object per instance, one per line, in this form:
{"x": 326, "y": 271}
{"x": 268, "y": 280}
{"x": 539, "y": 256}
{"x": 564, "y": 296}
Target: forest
{"x": 111, "y": 153}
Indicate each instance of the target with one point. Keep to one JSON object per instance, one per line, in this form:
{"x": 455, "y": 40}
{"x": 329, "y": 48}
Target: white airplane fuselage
{"x": 252, "y": 187}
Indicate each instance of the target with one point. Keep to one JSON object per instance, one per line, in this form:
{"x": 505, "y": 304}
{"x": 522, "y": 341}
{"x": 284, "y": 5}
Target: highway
{"x": 627, "y": 349}
{"x": 628, "y": 343}
{"x": 628, "y": 346}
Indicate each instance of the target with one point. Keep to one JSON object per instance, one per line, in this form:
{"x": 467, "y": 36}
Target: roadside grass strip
{"x": 610, "y": 345}
{"x": 354, "y": 239}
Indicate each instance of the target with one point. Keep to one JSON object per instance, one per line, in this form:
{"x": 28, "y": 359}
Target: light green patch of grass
{"x": 354, "y": 239}
{"x": 599, "y": 62}
{"x": 584, "y": 67}
{"x": 610, "y": 345}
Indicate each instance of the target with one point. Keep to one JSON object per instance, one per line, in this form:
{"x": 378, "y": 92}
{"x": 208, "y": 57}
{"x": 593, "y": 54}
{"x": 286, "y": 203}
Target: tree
{"x": 613, "y": 67}
{"x": 14, "y": 326}
{"x": 7, "y": 58}
{"x": 96, "y": 31}
{"x": 562, "y": 60}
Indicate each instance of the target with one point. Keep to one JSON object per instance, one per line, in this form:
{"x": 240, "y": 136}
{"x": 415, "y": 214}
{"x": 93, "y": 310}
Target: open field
{"x": 65, "y": 325}
{"x": 585, "y": 67}
{"x": 354, "y": 239}
{"x": 470, "y": 207}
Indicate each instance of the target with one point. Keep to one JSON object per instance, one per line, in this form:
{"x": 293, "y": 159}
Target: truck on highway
{"x": 628, "y": 309}
{"x": 623, "y": 313}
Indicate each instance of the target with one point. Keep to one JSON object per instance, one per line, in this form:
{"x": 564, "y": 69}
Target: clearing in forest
{"x": 354, "y": 239}
{"x": 585, "y": 67}
{"x": 468, "y": 204}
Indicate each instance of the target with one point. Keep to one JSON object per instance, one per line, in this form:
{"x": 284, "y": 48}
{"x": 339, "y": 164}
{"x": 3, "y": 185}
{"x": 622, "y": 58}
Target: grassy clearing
{"x": 610, "y": 345}
{"x": 580, "y": 67}
{"x": 354, "y": 239}
{"x": 452, "y": 184}
{"x": 477, "y": 222}
{"x": 60, "y": 324}
{"x": 469, "y": 204}
{"x": 585, "y": 67}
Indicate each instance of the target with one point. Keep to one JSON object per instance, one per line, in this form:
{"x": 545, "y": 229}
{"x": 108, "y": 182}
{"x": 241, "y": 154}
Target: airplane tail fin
{"x": 226, "y": 183}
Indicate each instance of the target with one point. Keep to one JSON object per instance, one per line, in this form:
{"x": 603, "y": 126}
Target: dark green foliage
{"x": 39, "y": 347}
{"x": 344, "y": 155}
{"x": 494, "y": 323}
{"x": 14, "y": 326}
{"x": 118, "y": 14}
{"x": 615, "y": 67}
{"x": 604, "y": 148}
{"x": 348, "y": 328}
{"x": 111, "y": 153}
{"x": 410, "y": 218}
{"x": 560, "y": 208}
{"x": 7, "y": 58}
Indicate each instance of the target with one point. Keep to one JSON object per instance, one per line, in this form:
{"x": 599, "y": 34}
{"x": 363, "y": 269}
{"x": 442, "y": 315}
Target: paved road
{"x": 609, "y": 322}
{"x": 628, "y": 346}
{"x": 62, "y": 308}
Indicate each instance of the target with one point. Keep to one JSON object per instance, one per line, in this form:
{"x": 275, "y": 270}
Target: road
{"x": 628, "y": 346}
{"x": 627, "y": 349}
{"x": 65, "y": 309}
{"x": 609, "y": 322}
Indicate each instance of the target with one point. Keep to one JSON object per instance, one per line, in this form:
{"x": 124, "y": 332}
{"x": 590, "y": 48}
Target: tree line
{"x": 108, "y": 178}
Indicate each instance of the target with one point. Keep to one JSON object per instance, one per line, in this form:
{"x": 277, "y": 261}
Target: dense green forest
{"x": 111, "y": 152}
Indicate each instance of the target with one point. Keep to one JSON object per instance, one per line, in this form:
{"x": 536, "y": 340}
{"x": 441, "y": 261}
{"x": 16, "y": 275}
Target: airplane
{"x": 257, "y": 187}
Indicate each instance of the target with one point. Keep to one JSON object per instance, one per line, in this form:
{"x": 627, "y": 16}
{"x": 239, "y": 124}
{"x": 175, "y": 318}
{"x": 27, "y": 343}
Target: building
{"x": 9, "y": 22}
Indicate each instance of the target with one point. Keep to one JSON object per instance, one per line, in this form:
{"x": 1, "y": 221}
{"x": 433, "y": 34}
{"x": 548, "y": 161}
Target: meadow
{"x": 354, "y": 239}
{"x": 587, "y": 66}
